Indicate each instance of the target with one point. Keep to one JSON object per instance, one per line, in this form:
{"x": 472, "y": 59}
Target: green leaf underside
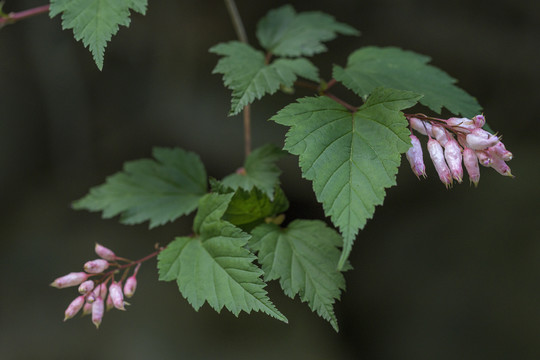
{"x": 303, "y": 257}
{"x": 95, "y": 21}
{"x": 351, "y": 158}
{"x": 246, "y": 74}
{"x": 214, "y": 266}
{"x": 248, "y": 209}
{"x": 158, "y": 190}
{"x": 372, "y": 67}
{"x": 283, "y": 32}
{"x": 260, "y": 169}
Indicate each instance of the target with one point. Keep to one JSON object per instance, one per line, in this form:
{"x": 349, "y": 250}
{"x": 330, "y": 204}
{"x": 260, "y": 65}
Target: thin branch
{"x": 13, "y": 17}
{"x": 241, "y": 33}
{"x": 236, "y": 20}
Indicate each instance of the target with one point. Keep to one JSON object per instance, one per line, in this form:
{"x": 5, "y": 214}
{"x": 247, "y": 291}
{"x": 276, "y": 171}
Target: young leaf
{"x": 260, "y": 171}
{"x": 304, "y": 257}
{"x": 95, "y": 21}
{"x": 282, "y": 32}
{"x": 248, "y": 209}
{"x": 214, "y": 266}
{"x": 372, "y": 67}
{"x": 351, "y": 158}
{"x": 158, "y": 190}
{"x": 246, "y": 73}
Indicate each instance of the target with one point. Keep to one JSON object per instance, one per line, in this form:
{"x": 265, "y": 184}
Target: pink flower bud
{"x": 86, "y": 287}
{"x": 423, "y": 127}
{"x": 117, "y": 297}
{"x": 480, "y": 139}
{"x": 71, "y": 279}
{"x": 452, "y": 154}
{"x": 98, "y": 308}
{"x": 499, "y": 150}
{"x": 461, "y": 124}
{"x": 501, "y": 167}
{"x": 415, "y": 157}
{"x": 437, "y": 156}
{"x": 96, "y": 266}
{"x": 131, "y": 282}
{"x": 109, "y": 303}
{"x": 104, "y": 252}
{"x": 74, "y": 307}
{"x": 100, "y": 290}
{"x": 479, "y": 121}
{"x": 483, "y": 158}
{"x": 87, "y": 309}
{"x": 440, "y": 134}
{"x": 471, "y": 164}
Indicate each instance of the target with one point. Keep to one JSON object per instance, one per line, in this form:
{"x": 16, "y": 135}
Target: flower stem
{"x": 16, "y": 16}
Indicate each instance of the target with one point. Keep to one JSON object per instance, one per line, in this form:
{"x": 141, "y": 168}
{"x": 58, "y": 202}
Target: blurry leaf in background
{"x": 283, "y": 32}
{"x": 260, "y": 171}
{"x": 95, "y": 21}
{"x": 158, "y": 190}
{"x": 391, "y": 67}
{"x": 247, "y": 74}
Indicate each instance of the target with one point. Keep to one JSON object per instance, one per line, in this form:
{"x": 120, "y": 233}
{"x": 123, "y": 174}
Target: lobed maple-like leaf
{"x": 247, "y": 74}
{"x": 391, "y": 67}
{"x": 259, "y": 171}
{"x": 350, "y": 157}
{"x": 214, "y": 266}
{"x": 158, "y": 190}
{"x": 95, "y": 21}
{"x": 283, "y": 32}
{"x": 304, "y": 258}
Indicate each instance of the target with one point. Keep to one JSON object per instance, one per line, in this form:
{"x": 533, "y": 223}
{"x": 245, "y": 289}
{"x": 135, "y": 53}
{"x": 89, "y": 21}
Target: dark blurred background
{"x": 439, "y": 274}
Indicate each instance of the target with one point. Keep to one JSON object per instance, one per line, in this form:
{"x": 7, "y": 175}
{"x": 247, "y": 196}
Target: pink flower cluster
{"x": 453, "y": 142}
{"x": 93, "y": 292}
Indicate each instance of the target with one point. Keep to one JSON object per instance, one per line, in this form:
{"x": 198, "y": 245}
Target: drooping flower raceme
{"x": 103, "y": 285}
{"x": 464, "y": 141}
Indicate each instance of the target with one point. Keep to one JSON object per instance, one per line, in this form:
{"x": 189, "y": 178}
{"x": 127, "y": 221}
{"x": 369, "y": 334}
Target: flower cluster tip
{"x": 94, "y": 291}
{"x": 455, "y": 142}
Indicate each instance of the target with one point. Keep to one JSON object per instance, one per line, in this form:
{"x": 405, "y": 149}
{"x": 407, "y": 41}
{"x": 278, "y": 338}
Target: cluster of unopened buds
{"x": 455, "y": 141}
{"x": 98, "y": 289}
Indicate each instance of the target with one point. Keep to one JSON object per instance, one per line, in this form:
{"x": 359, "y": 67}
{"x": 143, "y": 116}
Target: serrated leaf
{"x": 248, "y": 209}
{"x": 95, "y": 21}
{"x": 351, "y": 158}
{"x": 249, "y": 77}
{"x": 283, "y": 32}
{"x": 372, "y": 67}
{"x": 158, "y": 190}
{"x": 260, "y": 171}
{"x": 215, "y": 266}
{"x": 303, "y": 257}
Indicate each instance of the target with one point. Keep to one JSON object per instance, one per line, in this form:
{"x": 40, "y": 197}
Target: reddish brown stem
{"x": 16, "y": 16}
{"x": 341, "y": 102}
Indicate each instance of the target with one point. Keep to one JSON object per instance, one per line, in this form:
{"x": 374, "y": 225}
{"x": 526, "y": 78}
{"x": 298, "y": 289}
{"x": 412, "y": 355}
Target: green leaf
{"x": 95, "y": 21}
{"x": 248, "y": 209}
{"x": 214, "y": 266}
{"x": 304, "y": 257}
{"x": 260, "y": 171}
{"x": 283, "y": 32}
{"x": 372, "y": 67}
{"x": 351, "y": 158}
{"x": 158, "y": 190}
{"x": 246, "y": 73}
